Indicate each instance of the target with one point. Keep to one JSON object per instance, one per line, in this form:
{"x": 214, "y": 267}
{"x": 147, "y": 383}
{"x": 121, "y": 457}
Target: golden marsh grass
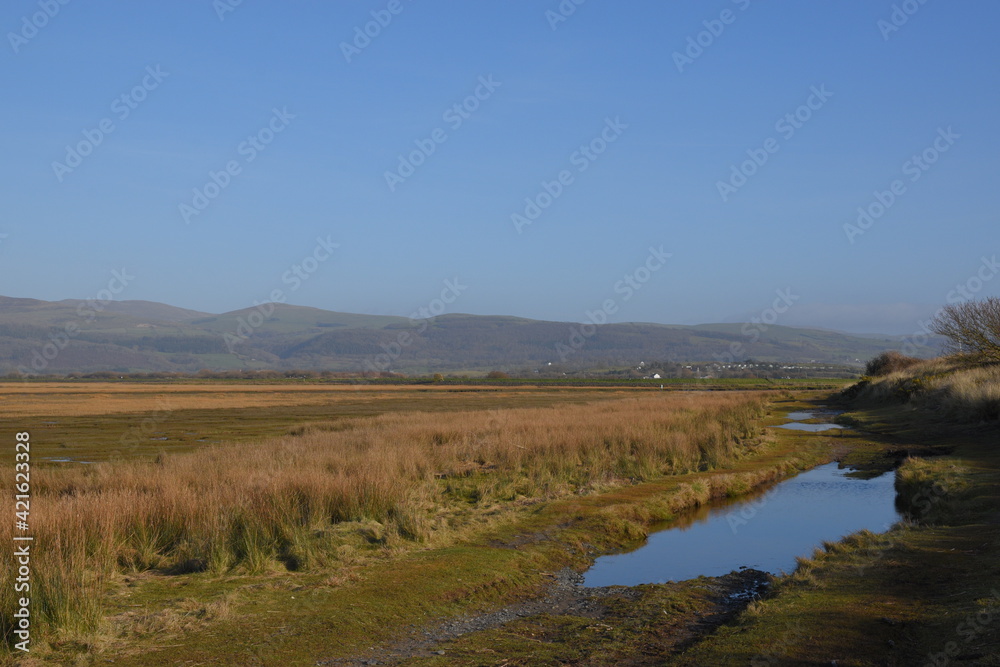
{"x": 297, "y": 502}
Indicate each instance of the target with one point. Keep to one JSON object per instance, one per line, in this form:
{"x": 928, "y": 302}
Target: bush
{"x": 889, "y": 362}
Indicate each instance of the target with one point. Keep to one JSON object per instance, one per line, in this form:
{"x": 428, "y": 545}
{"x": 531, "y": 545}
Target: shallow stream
{"x": 765, "y": 531}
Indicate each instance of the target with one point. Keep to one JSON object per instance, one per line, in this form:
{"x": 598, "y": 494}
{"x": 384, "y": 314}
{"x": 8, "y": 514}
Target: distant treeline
{"x": 492, "y": 380}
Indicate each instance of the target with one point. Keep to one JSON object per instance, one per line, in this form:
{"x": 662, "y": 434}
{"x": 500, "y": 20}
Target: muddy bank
{"x": 669, "y": 617}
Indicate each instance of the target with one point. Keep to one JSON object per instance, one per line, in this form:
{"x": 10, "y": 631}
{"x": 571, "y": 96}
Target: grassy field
{"x": 308, "y": 524}
{"x": 98, "y": 421}
{"x": 420, "y": 470}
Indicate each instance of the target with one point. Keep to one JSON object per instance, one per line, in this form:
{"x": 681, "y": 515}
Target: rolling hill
{"x": 58, "y": 337}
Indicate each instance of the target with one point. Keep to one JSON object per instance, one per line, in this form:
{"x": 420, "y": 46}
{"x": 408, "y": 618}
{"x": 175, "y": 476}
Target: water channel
{"x": 765, "y": 531}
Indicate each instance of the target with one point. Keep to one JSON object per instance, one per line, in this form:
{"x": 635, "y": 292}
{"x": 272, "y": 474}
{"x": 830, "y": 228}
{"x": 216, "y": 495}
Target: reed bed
{"x": 294, "y": 502}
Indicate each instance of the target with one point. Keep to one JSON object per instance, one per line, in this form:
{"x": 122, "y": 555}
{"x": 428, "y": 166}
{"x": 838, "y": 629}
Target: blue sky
{"x": 200, "y": 90}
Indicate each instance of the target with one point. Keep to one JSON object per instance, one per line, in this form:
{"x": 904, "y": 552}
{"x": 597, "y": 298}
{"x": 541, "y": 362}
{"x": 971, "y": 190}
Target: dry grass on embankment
{"x": 957, "y": 388}
{"x": 297, "y": 502}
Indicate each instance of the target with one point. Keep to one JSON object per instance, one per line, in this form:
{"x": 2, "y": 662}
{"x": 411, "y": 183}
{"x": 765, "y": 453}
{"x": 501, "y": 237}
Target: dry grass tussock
{"x": 958, "y": 387}
{"x": 308, "y": 501}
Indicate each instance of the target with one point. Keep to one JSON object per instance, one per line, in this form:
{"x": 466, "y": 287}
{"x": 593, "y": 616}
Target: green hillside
{"x": 140, "y": 336}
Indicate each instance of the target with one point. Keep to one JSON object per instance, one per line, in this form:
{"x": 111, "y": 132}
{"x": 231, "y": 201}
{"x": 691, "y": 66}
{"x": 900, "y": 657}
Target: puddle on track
{"x": 799, "y": 426}
{"x": 798, "y": 417}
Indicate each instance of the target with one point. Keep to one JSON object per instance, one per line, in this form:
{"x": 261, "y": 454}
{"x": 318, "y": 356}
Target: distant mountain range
{"x": 141, "y": 336}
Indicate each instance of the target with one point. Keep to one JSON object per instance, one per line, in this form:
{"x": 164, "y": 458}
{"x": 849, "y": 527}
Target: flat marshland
{"x": 268, "y": 524}
{"x": 334, "y": 491}
{"x": 104, "y": 398}
{"x": 99, "y": 421}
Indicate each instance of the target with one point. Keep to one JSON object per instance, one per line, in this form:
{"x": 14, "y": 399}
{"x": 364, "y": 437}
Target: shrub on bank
{"x": 889, "y": 362}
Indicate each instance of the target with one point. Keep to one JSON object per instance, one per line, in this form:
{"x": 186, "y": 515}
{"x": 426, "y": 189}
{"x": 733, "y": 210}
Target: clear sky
{"x": 308, "y": 114}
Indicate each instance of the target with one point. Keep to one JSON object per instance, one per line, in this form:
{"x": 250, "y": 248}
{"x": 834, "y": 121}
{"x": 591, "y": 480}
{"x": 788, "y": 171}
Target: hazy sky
{"x": 204, "y": 147}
